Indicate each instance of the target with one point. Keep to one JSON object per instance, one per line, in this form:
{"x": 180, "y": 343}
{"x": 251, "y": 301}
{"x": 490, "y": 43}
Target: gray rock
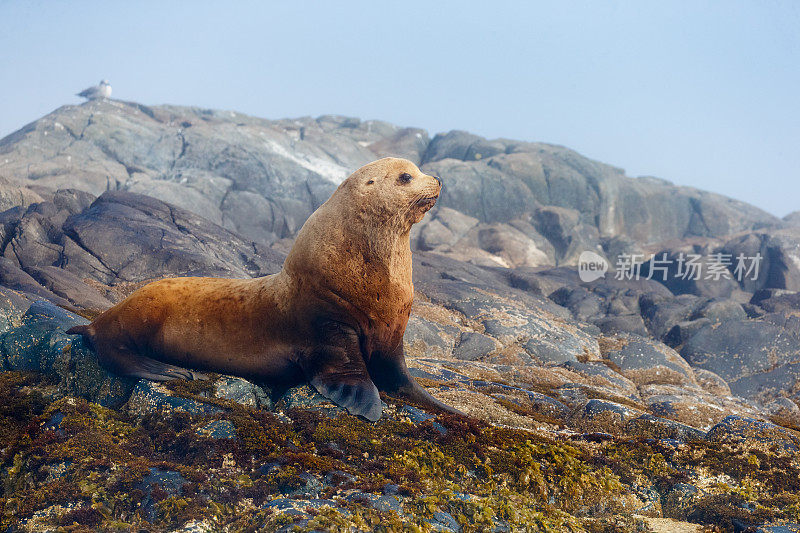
{"x": 600, "y": 373}
{"x": 425, "y": 337}
{"x": 480, "y": 191}
{"x": 778, "y": 250}
{"x": 661, "y": 313}
{"x": 13, "y": 306}
{"x": 582, "y": 302}
{"x": 766, "y": 385}
{"x": 713, "y": 278}
{"x": 463, "y": 146}
{"x": 16, "y": 279}
{"x": 243, "y": 392}
{"x": 294, "y": 164}
{"x": 135, "y": 237}
{"x": 536, "y": 401}
{"x": 711, "y": 382}
{"x": 776, "y": 300}
{"x": 512, "y": 247}
{"x": 784, "y": 411}
{"x": 718, "y": 310}
{"x": 444, "y": 522}
{"x": 645, "y": 361}
{"x": 409, "y": 143}
{"x": 70, "y": 287}
{"x": 473, "y": 346}
{"x": 621, "y": 324}
{"x": 568, "y": 235}
{"x": 683, "y": 331}
{"x": 735, "y": 350}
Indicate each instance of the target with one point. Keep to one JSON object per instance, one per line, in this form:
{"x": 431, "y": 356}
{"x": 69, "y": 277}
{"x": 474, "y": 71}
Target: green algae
{"x": 94, "y": 463}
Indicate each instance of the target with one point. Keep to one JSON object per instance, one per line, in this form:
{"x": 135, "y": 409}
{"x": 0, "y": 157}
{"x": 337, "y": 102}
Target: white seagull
{"x": 98, "y": 91}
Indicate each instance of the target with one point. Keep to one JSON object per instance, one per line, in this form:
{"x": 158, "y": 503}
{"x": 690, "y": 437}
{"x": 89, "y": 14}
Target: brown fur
{"x": 334, "y": 315}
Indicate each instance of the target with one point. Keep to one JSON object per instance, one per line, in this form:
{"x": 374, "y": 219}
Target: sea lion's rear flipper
{"x": 146, "y": 368}
{"x": 345, "y": 381}
{"x": 128, "y": 363}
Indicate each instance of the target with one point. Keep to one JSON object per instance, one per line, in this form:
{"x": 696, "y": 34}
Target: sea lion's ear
{"x": 357, "y": 394}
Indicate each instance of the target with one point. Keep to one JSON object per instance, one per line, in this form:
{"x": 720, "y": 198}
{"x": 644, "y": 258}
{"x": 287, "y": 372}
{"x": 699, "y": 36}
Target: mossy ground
{"x": 75, "y": 466}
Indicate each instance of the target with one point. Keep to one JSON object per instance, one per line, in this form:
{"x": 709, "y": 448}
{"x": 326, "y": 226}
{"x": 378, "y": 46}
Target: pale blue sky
{"x": 700, "y": 93}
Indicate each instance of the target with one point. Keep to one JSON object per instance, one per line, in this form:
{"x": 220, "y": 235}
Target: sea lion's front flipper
{"x": 391, "y": 375}
{"x": 344, "y": 380}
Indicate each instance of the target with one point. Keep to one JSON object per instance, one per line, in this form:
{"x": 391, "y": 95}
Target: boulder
{"x": 711, "y": 382}
{"x": 740, "y": 349}
{"x": 777, "y": 252}
{"x": 693, "y": 267}
{"x": 566, "y": 232}
{"x": 753, "y": 433}
{"x": 645, "y": 361}
{"x": 136, "y": 237}
{"x": 661, "y": 313}
{"x": 776, "y": 300}
{"x": 603, "y": 416}
{"x": 652, "y": 427}
{"x": 37, "y": 342}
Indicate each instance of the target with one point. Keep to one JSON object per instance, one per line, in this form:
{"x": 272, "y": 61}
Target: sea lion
{"x": 334, "y": 316}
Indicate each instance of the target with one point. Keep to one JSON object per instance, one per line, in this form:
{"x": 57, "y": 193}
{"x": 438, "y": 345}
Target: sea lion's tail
{"x": 85, "y": 330}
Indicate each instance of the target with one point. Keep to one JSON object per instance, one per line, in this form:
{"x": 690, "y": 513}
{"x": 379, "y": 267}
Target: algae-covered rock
{"x": 603, "y": 416}
{"x": 680, "y": 500}
{"x": 242, "y": 391}
{"x": 755, "y": 434}
{"x": 37, "y": 342}
{"x": 161, "y": 482}
{"x": 653, "y": 427}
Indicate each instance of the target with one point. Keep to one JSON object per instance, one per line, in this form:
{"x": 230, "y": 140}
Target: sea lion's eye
{"x": 331, "y": 327}
{"x": 405, "y": 177}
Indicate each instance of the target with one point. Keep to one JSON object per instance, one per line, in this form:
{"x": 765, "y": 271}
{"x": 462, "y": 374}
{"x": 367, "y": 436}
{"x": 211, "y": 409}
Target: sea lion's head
{"x": 393, "y": 191}
{"x": 369, "y": 215}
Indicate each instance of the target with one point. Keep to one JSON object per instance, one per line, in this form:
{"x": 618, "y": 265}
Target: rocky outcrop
{"x": 262, "y": 178}
{"x": 75, "y": 248}
{"x": 648, "y": 375}
{"x": 224, "y": 193}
